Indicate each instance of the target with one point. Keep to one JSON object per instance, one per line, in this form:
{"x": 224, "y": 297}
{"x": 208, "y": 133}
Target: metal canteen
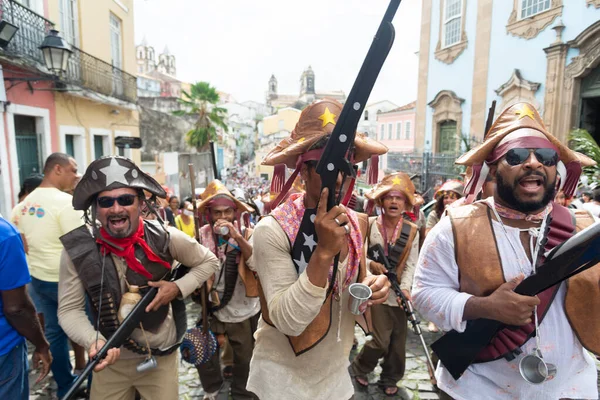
{"x": 222, "y": 230}
{"x": 535, "y": 370}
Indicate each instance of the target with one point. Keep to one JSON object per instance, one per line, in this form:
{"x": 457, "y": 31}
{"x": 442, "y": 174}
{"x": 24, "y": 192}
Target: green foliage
{"x": 580, "y": 140}
{"x": 201, "y": 103}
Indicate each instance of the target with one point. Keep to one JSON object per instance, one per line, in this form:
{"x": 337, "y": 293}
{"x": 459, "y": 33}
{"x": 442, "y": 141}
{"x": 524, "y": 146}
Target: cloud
{"x": 237, "y": 44}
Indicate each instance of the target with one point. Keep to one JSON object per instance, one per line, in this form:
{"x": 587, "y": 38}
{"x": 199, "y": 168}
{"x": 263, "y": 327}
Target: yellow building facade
{"x": 103, "y": 107}
{"x": 275, "y": 127}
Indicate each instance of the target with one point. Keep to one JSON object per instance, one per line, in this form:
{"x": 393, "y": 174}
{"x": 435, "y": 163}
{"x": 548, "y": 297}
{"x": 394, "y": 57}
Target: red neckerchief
{"x": 128, "y": 252}
{"x": 411, "y": 216}
{"x": 514, "y": 214}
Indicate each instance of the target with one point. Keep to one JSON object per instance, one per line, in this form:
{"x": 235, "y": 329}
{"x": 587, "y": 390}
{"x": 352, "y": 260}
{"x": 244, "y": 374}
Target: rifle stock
{"x": 131, "y": 322}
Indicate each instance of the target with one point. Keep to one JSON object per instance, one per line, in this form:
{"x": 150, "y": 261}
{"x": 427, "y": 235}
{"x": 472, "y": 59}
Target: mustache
{"x": 534, "y": 173}
{"x": 117, "y": 216}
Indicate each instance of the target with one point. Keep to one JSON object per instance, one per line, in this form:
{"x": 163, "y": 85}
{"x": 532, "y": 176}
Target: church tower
{"x": 166, "y": 62}
{"x": 272, "y": 92}
{"x": 145, "y": 58}
{"x": 307, "y": 86}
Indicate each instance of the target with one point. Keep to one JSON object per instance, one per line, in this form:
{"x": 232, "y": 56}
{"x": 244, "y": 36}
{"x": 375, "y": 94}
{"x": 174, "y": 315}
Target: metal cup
{"x": 146, "y": 365}
{"x": 359, "y": 294}
{"x": 222, "y": 231}
{"x": 535, "y": 370}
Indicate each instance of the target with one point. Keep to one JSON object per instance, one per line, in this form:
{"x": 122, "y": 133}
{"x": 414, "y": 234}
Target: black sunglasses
{"x": 124, "y": 200}
{"x": 548, "y": 157}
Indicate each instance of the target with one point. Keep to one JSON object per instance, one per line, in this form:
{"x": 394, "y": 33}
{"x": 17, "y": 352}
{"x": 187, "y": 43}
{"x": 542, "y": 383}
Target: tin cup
{"x": 535, "y": 370}
{"x": 359, "y": 295}
{"x": 223, "y": 230}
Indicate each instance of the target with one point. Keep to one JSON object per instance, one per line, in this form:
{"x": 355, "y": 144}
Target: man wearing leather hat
{"x": 114, "y": 256}
{"x": 474, "y": 258}
{"x": 236, "y": 308}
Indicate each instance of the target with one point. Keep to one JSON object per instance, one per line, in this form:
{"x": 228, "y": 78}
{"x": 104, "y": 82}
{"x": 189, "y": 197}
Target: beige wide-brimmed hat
{"x": 214, "y": 189}
{"x": 515, "y": 117}
{"x": 394, "y": 182}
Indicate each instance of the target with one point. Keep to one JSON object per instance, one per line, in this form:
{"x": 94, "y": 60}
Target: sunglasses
{"x": 124, "y": 200}
{"x": 547, "y": 157}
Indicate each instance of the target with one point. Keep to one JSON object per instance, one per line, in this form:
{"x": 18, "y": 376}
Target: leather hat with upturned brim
{"x": 216, "y": 188}
{"x": 394, "y": 182}
{"x": 317, "y": 121}
{"x": 109, "y": 173}
{"x": 452, "y": 185}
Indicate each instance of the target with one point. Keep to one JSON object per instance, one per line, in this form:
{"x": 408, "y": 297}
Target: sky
{"x": 236, "y": 45}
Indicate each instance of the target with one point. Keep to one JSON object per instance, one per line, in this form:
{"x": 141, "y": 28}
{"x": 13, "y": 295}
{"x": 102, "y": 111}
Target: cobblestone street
{"x": 415, "y": 385}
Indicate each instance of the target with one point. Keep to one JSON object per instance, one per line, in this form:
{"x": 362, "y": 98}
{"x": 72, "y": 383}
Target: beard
{"x": 507, "y": 191}
{"x": 125, "y": 229}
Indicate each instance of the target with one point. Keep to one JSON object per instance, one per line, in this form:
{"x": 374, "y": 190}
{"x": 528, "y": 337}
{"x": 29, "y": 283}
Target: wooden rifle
{"x": 337, "y": 154}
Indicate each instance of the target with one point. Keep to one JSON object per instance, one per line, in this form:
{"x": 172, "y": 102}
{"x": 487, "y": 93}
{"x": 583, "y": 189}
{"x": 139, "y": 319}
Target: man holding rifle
{"x": 399, "y": 239}
{"x": 473, "y": 259}
{"x": 236, "y": 313}
{"x": 109, "y": 264}
{"x": 306, "y": 331}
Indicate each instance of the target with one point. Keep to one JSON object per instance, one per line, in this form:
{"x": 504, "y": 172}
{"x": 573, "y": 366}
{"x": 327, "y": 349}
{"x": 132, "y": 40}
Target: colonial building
{"x": 307, "y": 93}
{"x": 78, "y": 111}
{"x": 368, "y": 122}
{"x": 156, "y": 77}
{"x": 472, "y": 52}
{"x": 275, "y": 128}
{"x": 396, "y": 131}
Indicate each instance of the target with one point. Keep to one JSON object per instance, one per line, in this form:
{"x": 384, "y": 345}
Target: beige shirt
{"x": 406, "y": 280}
{"x": 294, "y": 302}
{"x": 71, "y": 293}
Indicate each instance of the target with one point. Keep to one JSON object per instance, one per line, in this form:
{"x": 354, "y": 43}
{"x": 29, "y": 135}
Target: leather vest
{"x": 85, "y": 254}
{"x": 480, "y": 273}
{"x": 319, "y": 327}
{"x": 407, "y": 235}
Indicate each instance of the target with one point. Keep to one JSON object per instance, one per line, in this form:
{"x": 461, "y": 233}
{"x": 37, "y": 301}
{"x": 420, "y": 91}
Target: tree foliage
{"x": 580, "y": 140}
{"x": 201, "y": 103}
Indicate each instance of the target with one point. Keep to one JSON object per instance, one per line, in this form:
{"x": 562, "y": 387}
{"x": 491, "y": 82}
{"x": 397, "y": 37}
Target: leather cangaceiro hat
{"x": 112, "y": 172}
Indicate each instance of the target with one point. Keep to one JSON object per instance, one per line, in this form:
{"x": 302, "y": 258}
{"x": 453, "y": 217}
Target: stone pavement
{"x": 415, "y": 385}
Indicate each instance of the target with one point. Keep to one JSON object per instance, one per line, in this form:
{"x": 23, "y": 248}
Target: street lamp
{"x": 56, "y": 52}
{"x": 7, "y": 32}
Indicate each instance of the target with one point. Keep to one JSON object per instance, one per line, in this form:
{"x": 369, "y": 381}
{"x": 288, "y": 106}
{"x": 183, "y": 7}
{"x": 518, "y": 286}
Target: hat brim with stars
{"x": 519, "y": 116}
{"x": 109, "y": 173}
{"x": 394, "y": 182}
{"x": 317, "y": 121}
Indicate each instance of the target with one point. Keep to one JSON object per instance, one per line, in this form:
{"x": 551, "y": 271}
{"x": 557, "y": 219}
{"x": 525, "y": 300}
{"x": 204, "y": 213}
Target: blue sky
{"x": 237, "y": 44}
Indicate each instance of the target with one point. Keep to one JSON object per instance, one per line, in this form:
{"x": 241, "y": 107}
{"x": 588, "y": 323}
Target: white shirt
{"x": 593, "y": 208}
{"x": 435, "y": 294}
{"x": 276, "y": 373}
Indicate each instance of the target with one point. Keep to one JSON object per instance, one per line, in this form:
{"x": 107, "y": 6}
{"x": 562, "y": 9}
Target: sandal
{"x": 363, "y": 382}
{"x": 387, "y": 391}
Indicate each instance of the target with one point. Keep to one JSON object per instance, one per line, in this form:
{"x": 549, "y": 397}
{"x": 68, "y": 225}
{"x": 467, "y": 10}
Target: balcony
{"x": 84, "y": 70}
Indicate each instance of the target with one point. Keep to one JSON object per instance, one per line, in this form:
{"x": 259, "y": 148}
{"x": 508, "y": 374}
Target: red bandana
{"x": 128, "y": 252}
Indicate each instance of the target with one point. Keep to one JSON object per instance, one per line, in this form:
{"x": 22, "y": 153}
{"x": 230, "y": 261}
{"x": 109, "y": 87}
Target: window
{"x": 407, "y": 130}
{"x": 116, "y": 51}
{"x": 98, "y": 146}
{"x": 382, "y": 135}
{"x": 366, "y": 115}
{"x": 447, "y": 139}
{"x": 68, "y": 20}
{"x": 531, "y": 7}
{"x": 70, "y": 145}
{"x": 390, "y": 129}
{"x": 452, "y": 22}
{"x": 399, "y": 131}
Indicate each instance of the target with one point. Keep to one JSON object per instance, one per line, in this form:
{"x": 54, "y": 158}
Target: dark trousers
{"x": 389, "y": 342}
{"x": 241, "y": 339}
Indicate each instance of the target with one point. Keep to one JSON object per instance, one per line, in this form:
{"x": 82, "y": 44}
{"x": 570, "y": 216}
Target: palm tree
{"x": 201, "y": 103}
{"x": 580, "y": 140}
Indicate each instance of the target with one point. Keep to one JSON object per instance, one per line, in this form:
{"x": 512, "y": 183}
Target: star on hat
{"x": 525, "y": 111}
{"x": 115, "y": 172}
{"x": 327, "y": 117}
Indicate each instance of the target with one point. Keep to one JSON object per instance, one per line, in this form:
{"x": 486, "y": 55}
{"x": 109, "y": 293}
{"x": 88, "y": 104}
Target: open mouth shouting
{"x": 532, "y": 184}
{"x": 118, "y": 223}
